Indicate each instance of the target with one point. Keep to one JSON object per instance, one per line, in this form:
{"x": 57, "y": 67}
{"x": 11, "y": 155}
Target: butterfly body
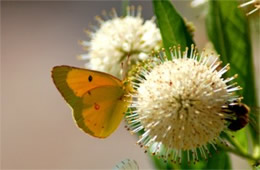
{"x": 97, "y": 99}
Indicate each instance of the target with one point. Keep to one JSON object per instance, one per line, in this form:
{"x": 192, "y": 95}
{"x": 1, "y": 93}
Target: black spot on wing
{"x": 90, "y": 78}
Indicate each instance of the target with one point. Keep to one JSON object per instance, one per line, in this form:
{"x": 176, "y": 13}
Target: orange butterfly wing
{"x": 96, "y": 98}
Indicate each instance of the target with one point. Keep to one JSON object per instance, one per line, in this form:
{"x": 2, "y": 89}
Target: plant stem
{"x": 125, "y": 4}
{"x": 238, "y": 149}
{"x": 239, "y": 153}
{"x": 235, "y": 143}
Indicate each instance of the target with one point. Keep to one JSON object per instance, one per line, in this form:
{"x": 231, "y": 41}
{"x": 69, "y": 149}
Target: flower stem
{"x": 238, "y": 149}
{"x": 239, "y": 153}
{"x": 125, "y": 4}
{"x": 234, "y": 143}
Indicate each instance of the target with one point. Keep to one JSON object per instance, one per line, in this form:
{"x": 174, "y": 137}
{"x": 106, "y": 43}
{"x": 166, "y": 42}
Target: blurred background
{"x": 37, "y": 129}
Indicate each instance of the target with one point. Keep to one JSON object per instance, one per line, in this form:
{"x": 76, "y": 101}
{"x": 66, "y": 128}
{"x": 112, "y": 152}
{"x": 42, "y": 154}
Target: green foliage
{"x": 172, "y": 25}
{"x": 228, "y": 29}
{"x": 159, "y": 164}
{"x": 174, "y": 32}
{"x": 219, "y": 160}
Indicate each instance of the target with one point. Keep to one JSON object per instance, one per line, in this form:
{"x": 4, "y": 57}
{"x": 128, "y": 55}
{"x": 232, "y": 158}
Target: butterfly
{"x": 98, "y": 100}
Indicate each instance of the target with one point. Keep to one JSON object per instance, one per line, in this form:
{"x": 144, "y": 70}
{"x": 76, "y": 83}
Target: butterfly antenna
{"x": 122, "y": 69}
{"x": 124, "y": 66}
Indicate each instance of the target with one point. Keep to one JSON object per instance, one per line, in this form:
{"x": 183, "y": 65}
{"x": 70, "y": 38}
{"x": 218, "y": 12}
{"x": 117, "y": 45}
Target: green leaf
{"x": 228, "y": 29}
{"x": 218, "y": 160}
{"x": 184, "y": 164}
{"x": 160, "y": 164}
{"x": 172, "y": 26}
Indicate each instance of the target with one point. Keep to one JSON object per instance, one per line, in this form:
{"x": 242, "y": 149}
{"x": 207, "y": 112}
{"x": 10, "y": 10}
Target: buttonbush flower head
{"x": 178, "y": 103}
{"x": 118, "y": 39}
{"x": 254, "y": 3}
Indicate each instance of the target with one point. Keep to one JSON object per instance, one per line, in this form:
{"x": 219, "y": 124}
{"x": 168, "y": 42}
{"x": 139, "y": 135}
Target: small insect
{"x": 241, "y": 112}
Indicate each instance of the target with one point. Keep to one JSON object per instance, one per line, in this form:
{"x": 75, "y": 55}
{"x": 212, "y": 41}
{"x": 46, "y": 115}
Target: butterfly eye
{"x": 90, "y": 78}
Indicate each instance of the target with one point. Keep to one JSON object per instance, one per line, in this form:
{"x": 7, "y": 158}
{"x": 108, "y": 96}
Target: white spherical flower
{"x": 119, "y": 39}
{"x": 180, "y": 104}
